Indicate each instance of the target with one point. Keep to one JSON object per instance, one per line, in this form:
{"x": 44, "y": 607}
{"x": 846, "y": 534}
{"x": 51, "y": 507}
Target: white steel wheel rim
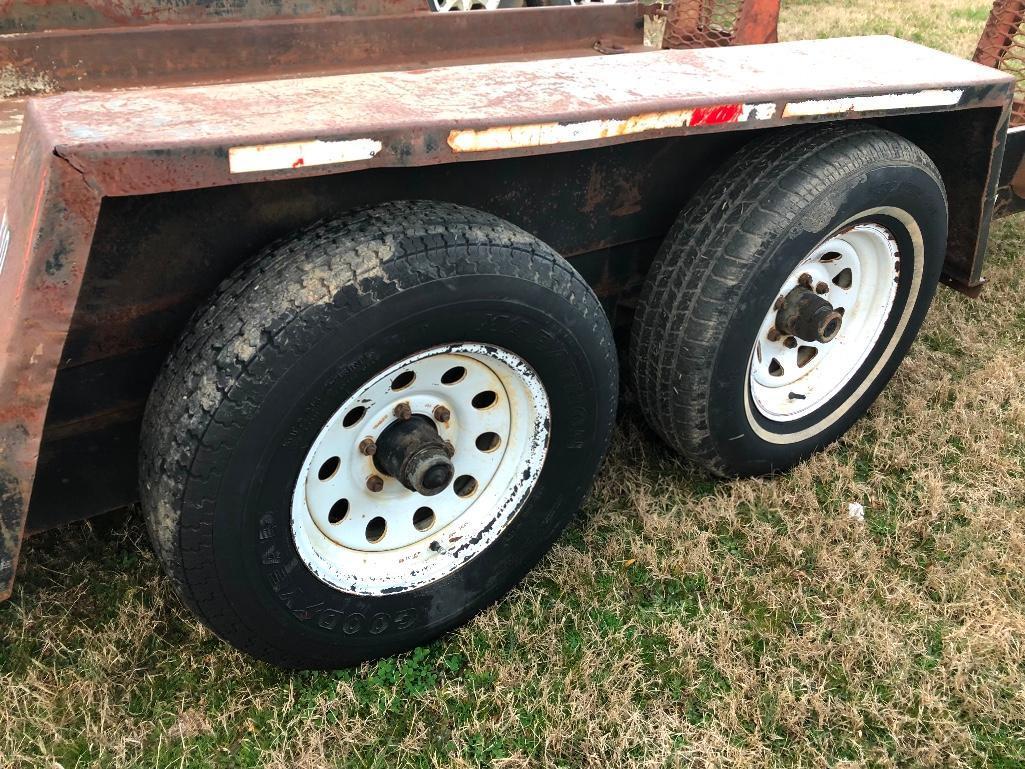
{"x": 444, "y": 6}
{"x": 337, "y": 519}
{"x": 790, "y": 378}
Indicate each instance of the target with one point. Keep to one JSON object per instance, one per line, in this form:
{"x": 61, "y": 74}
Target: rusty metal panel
{"x": 1003, "y": 46}
{"x": 78, "y": 147}
{"x": 715, "y": 23}
{"x": 194, "y": 53}
{"x": 42, "y": 15}
{"x": 47, "y": 230}
{"x": 213, "y": 135}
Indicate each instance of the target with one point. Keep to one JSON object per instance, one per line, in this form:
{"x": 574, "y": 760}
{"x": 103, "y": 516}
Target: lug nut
{"x": 790, "y": 342}
{"x": 773, "y": 335}
{"x": 804, "y": 280}
{"x": 821, "y": 287}
{"x": 367, "y": 447}
{"x": 442, "y": 414}
{"x": 375, "y": 483}
{"x": 778, "y": 304}
{"x": 403, "y": 411}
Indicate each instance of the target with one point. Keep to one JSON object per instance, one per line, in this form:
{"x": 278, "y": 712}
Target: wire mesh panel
{"x": 1003, "y": 46}
{"x": 702, "y": 23}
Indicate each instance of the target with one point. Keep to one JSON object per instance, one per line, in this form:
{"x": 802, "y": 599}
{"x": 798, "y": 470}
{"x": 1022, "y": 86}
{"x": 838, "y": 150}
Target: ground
{"x": 679, "y": 622}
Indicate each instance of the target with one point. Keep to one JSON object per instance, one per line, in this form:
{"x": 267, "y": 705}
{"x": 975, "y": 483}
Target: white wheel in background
{"x": 360, "y": 530}
{"x": 855, "y": 273}
{"x": 444, "y": 6}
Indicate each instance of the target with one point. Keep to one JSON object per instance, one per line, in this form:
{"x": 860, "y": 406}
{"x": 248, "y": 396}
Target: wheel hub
{"x": 826, "y": 319}
{"x": 411, "y": 451}
{"x": 808, "y": 316}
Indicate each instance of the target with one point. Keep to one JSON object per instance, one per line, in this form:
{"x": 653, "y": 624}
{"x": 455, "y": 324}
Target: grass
{"x": 679, "y": 622}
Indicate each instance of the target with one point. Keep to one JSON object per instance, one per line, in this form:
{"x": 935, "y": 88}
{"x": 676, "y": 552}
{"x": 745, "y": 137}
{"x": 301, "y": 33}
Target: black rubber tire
{"x": 277, "y": 350}
{"x": 723, "y": 261}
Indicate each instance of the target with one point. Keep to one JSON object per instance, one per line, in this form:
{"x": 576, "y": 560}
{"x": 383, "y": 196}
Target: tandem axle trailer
{"x": 340, "y": 298}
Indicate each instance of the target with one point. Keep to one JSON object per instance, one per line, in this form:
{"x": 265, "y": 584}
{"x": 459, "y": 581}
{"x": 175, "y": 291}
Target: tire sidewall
{"x": 301, "y": 380}
{"x": 911, "y": 204}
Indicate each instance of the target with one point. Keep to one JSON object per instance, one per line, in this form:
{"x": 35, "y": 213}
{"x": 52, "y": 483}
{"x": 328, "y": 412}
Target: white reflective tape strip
{"x": 277, "y": 157}
{"x": 758, "y": 112}
{"x": 893, "y": 101}
{"x": 5, "y": 241}
{"x": 540, "y": 134}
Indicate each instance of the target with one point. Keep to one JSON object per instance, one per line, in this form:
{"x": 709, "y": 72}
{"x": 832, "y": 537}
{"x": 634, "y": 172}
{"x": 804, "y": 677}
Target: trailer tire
{"x": 365, "y": 328}
{"x": 729, "y": 365}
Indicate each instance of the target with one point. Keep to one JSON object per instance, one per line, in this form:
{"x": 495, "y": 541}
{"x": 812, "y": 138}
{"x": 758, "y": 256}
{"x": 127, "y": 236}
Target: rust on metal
{"x": 1002, "y": 46}
{"x": 45, "y": 15}
{"x": 167, "y": 54}
{"x": 50, "y": 215}
{"x": 183, "y": 138}
{"x": 715, "y": 23}
{"x": 77, "y": 148}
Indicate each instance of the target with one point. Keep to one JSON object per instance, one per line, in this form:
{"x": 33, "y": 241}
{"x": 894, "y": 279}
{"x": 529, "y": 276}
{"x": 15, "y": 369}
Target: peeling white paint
{"x": 542, "y": 134}
{"x": 339, "y": 552}
{"x": 5, "y": 241}
{"x": 278, "y": 157}
{"x": 885, "y": 102}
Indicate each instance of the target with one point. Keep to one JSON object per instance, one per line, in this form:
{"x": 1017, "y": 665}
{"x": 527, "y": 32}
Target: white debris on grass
{"x": 856, "y": 511}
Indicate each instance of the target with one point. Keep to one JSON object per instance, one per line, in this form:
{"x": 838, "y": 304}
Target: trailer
{"x": 340, "y": 292}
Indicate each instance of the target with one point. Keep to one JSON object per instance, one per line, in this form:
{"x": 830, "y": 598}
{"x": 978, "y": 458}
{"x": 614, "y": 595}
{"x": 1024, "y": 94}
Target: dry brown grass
{"x": 680, "y": 622}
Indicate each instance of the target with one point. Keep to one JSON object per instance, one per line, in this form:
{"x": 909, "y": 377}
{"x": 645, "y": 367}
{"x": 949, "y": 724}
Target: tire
{"x": 261, "y": 380}
{"x": 744, "y": 243}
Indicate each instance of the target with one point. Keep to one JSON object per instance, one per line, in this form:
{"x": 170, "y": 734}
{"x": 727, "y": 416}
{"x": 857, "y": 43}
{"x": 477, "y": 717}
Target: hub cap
{"x": 825, "y": 321}
{"x": 420, "y": 469}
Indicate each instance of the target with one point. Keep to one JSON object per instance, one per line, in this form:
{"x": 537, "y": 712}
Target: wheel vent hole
{"x": 453, "y": 375}
{"x": 832, "y": 256}
{"x": 353, "y": 416}
{"x": 775, "y": 369}
{"x": 423, "y": 519}
{"x": 805, "y": 355}
{"x": 329, "y": 468}
{"x": 488, "y": 441}
{"x": 844, "y": 278}
{"x": 465, "y": 485}
{"x": 484, "y": 399}
{"x": 403, "y": 380}
{"x": 338, "y": 511}
{"x": 376, "y": 529}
